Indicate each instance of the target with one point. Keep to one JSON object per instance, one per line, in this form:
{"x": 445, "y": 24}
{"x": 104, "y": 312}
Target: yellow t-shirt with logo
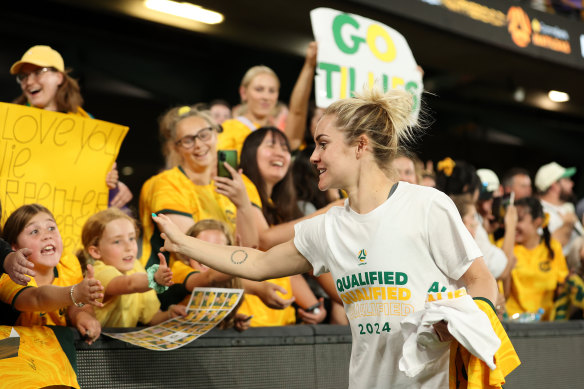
{"x": 535, "y": 279}
{"x": 233, "y": 135}
{"x": 172, "y": 192}
{"x": 66, "y": 273}
{"x": 128, "y": 309}
{"x": 40, "y": 362}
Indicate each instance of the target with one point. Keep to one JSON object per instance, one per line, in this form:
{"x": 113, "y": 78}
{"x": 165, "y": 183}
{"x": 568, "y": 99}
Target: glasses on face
{"x": 21, "y": 77}
{"x": 188, "y": 141}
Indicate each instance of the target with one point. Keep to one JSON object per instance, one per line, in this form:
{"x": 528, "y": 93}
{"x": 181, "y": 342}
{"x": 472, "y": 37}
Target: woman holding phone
{"x": 190, "y": 189}
{"x": 413, "y": 234}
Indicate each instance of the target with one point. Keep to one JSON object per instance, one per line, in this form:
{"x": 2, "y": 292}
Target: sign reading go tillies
{"x": 356, "y": 53}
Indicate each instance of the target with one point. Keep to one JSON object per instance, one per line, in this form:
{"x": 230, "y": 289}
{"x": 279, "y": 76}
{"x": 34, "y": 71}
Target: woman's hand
{"x": 163, "y": 275}
{"x": 311, "y": 52}
{"x": 88, "y": 326}
{"x": 234, "y": 189}
{"x": 123, "y": 196}
{"x": 112, "y": 177}
{"x": 90, "y": 290}
{"x": 241, "y": 322}
{"x": 511, "y": 217}
{"x": 314, "y": 317}
{"x": 18, "y": 267}
{"x": 267, "y": 292}
{"x": 176, "y": 310}
{"x": 171, "y": 234}
{"x": 441, "y": 329}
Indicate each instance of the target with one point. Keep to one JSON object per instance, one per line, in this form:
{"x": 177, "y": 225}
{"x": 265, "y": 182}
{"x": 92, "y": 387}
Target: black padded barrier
{"x": 304, "y": 356}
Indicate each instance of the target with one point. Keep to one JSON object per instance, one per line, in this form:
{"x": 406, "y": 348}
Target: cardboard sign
{"x": 57, "y": 160}
{"x": 356, "y": 53}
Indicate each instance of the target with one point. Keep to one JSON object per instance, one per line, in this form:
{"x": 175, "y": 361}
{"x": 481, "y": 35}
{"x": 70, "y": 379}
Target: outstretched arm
{"x": 298, "y": 107}
{"x": 280, "y": 261}
{"x": 138, "y": 282}
{"x": 51, "y": 297}
{"x": 273, "y": 235}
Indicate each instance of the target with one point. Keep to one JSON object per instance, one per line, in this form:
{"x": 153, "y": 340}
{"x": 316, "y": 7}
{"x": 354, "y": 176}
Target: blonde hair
{"x": 167, "y": 127}
{"x": 255, "y": 71}
{"x": 385, "y": 118}
{"x": 93, "y": 231}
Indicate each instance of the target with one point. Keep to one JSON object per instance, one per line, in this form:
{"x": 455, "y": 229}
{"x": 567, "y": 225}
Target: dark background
{"x": 131, "y": 70}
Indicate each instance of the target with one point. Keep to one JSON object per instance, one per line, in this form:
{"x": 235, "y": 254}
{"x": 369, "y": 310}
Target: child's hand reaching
{"x": 88, "y": 291}
{"x": 242, "y": 322}
{"x": 88, "y": 326}
{"x": 176, "y": 310}
{"x": 163, "y": 275}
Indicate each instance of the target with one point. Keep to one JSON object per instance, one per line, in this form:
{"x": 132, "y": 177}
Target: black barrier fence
{"x": 552, "y": 355}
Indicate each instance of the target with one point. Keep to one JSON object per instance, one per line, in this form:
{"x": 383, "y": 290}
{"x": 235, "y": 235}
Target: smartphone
{"x": 499, "y": 207}
{"x": 229, "y": 156}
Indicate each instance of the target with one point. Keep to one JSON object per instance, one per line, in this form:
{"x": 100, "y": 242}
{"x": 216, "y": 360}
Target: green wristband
{"x": 152, "y": 282}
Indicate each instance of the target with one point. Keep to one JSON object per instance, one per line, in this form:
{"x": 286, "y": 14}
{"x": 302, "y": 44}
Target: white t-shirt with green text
{"x": 384, "y": 263}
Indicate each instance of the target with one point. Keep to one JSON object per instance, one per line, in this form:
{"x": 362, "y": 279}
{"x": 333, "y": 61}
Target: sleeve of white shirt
{"x": 310, "y": 240}
{"x": 494, "y": 257}
{"x": 451, "y": 245}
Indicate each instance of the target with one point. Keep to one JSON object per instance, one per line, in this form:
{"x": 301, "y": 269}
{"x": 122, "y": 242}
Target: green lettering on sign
{"x": 329, "y": 68}
{"x": 338, "y": 24}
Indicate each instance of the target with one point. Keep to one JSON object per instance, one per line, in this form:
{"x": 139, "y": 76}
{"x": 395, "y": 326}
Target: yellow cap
{"x": 43, "y": 56}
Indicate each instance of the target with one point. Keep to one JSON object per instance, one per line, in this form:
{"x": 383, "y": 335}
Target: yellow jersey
{"x": 172, "y": 192}
{"x": 128, "y": 309}
{"x": 535, "y": 278}
{"x": 66, "y": 273}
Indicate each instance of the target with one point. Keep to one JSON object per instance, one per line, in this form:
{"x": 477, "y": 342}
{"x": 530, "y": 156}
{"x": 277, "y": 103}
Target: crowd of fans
{"x": 531, "y": 239}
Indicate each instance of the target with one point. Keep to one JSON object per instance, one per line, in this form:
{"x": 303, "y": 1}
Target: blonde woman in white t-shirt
{"x": 389, "y": 245}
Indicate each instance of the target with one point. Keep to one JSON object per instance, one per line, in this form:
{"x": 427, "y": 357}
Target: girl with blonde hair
{"x": 110, "y": 242}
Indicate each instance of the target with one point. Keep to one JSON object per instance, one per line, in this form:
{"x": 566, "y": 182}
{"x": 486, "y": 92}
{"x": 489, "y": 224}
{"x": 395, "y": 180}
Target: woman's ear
{"x": 538, "y": 221}
{"x": 61, "y": 78}
{"x": 94, "y": 252}
{"x": 243, "y": 94}
{"x": 362, "y": 144}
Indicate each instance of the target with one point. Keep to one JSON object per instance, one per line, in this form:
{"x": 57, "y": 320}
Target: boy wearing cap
{"x": 554, "y": 185}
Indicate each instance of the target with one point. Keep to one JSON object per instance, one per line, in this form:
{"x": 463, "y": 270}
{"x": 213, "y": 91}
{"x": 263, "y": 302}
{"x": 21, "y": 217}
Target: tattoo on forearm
{"x": 238, "y": 257}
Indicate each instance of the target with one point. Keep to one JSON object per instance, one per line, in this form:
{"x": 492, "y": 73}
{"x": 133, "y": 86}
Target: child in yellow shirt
{"x": 109, "y": 240}
{"x": 193, "y": 274}
{"x": 62, "y": 292}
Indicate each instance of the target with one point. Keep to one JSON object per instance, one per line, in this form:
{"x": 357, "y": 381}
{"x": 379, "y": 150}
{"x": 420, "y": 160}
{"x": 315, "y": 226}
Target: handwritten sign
{"x": 57, "y": 160}
{"x": 355, "y": 52}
